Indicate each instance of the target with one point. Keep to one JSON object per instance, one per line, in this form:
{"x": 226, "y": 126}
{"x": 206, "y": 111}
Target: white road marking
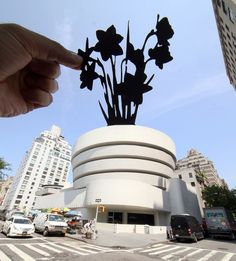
{"x": 68, "y": 249}
{"x": 163, "y": 251}
{"x": 49, "y": 247}
{"x": 209, "y": 255}
{"x": 20, "y": 253}
{"x": 4, "y": 257}
{"x": 192, "y": 254}
{"x": 227, "y": 257}
{"x": 177, "y": 252}
{"x": 154, "y": 248}
{"x": 39, "y": 251}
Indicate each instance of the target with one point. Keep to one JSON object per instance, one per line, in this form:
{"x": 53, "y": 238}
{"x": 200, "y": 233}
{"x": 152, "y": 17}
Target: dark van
{"x": 186, "y": 227}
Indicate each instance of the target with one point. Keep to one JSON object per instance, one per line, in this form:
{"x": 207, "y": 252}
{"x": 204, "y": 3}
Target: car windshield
{"x": 21, "y": 221}
{"x": 56, "y": 218}
{"x": 18, "y": 214}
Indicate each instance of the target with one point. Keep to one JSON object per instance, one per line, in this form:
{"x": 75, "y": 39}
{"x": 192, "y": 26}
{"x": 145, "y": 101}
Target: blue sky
{"x": 192, "y": 100}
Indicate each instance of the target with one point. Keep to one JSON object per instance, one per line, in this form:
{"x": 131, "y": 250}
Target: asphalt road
{"x": 58, "y": 248}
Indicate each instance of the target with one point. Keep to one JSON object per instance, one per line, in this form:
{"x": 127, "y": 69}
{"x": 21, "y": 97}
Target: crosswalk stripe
{"x": 69, "y": 249}
{"x": 209, "y": 255}
{"x": 4, "y": 257}
{"x": 227, "y": 257}
{"x": 97, "y": 247}
{"x": 153, "y": 249}
{"x": 192, "y": 253}
{"x": 20, "y": 253}
{"x": 83, "y": 248}
{"x": 163, "y": 251}
{"x": 50, "y": 248}
{"x": 169, "y": 256}
{"x": 39, "y": 251}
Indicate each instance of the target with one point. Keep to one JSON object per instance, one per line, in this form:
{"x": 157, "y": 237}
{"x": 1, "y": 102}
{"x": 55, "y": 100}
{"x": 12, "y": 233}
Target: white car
{"x": 18, "y": 226}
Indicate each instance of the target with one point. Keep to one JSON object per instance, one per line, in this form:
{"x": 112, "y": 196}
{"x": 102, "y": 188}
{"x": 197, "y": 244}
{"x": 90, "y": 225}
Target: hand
{"x": 29, "y": 65}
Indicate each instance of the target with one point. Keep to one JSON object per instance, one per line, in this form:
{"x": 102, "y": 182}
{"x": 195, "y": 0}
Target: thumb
{"x": 43, "y": 48}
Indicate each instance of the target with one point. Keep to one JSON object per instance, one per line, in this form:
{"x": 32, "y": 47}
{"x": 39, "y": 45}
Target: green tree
{"x": 4, "y": 166}
{"x": 216, "y": 196}
{"x": 200, "y": 176}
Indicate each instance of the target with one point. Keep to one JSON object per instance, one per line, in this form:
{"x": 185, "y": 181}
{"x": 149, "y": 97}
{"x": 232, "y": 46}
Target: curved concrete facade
{"x": 130, "y": 171}
{"x": 125, "y": 166}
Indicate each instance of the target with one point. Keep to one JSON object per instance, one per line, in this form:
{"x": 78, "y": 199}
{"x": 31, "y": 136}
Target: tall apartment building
{"x": 47, "y": 162}
{"x": 202, "y": 165}
{"x": 225, "y": 14}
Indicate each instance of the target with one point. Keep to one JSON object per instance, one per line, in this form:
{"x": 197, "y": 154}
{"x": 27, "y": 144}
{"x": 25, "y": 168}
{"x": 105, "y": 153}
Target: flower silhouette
{"x": 124, "y": 88}
{"x": 161, "y": 55}
{"x": 88, "y": 76}
{"x": 133, "y": 88}
{"x": 108, "y": 43}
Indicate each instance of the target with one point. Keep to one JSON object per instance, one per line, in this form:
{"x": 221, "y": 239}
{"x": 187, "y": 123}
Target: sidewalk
{"x": 121, "y": 240}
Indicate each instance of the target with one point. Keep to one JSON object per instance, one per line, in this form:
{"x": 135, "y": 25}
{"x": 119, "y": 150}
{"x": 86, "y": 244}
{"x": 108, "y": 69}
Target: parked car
{"x": 49, "y": 223}
{"x": 220, "y": 222}
{"x": 18, "y": 226}
{"x": 186, "y": 227}
{"x": 11, "y": 213}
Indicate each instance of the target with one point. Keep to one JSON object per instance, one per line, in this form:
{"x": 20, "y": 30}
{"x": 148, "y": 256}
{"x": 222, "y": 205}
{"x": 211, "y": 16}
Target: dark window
{"x": 19, "y": 196}
{"x": 224, "y": 7}
{"x": 190, "y": 175}
{"x": 17, "y": 202}
{"x": 115, "y": 217}
{"x": 142, "y": 219}
{"x": 193, "y": 184}
{"x": 180, "y": 176}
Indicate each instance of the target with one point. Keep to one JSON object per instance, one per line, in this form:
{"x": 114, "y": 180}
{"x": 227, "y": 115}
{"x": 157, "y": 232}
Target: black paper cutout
{"x": 123, "y": 90}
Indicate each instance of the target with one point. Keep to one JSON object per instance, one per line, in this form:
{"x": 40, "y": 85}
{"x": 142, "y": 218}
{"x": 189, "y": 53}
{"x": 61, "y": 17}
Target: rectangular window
{"x": 193, "y": 184}
{"x": 190, "y": 175}
{"x": 180, "y": 176}
{"x": 224, "y": 7}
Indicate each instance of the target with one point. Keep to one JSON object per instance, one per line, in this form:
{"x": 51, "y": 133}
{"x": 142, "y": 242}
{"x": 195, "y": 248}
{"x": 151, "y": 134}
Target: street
{"x": 64, "y": 248}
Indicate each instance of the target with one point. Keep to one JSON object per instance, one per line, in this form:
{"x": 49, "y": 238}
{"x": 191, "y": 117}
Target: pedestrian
{"x": 29, "y": 66}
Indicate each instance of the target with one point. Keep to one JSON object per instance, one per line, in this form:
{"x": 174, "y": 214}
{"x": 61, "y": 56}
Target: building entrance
{"x": 140, "y": 219}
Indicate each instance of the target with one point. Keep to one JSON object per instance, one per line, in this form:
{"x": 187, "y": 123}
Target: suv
{"x": 186, "y": 227}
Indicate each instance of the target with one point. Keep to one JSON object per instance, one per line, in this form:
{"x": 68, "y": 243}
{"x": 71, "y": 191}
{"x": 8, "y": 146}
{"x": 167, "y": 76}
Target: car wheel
{"x": 8, "y": 232}
{"x": 45, "y": 232}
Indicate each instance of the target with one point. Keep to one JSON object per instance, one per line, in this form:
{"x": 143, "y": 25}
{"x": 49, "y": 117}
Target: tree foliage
{"x": 216, "y": 196}
{"x": 4, "y": 166}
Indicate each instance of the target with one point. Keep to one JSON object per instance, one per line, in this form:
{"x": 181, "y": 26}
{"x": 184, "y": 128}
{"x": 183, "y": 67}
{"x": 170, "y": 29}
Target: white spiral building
{"x": 126, "y": 169}
{"x": 129, "y": 171}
